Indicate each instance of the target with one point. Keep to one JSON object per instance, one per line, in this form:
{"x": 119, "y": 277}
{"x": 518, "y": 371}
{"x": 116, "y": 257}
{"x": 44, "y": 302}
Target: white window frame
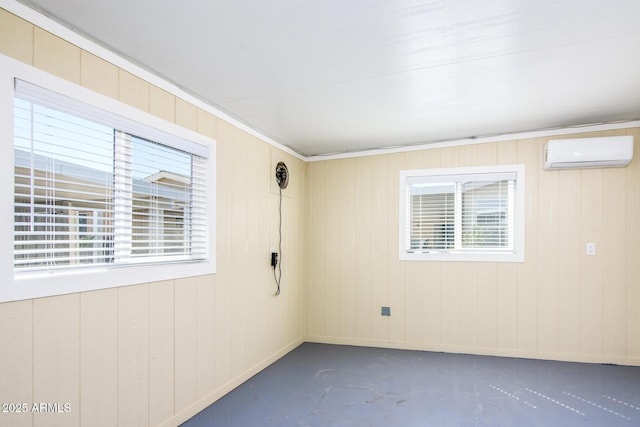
{"x": 24, "y": 285}
{"x": 484, "y": 254}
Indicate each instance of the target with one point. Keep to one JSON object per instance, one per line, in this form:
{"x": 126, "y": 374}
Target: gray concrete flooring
{"x": 328, "y": 385}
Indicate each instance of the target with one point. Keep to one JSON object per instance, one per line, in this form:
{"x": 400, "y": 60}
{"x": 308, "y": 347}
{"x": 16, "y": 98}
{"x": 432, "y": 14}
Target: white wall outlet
{"x": 591, "y": 248}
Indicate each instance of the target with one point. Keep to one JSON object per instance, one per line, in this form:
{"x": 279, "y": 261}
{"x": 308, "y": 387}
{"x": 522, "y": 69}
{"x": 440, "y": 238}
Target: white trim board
{"x": 600, "y": 127}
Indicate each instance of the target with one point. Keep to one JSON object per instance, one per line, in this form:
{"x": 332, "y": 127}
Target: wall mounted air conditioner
{"x": 602, "y": 152}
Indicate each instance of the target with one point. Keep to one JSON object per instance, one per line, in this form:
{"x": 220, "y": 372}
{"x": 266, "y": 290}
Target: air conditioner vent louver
{"x": 601, "y": 152}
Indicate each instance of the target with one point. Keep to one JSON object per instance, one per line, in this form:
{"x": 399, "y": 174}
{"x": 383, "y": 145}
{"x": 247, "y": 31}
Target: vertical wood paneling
{"x": 364, "y": 309}
{"x": 468, "y": 303}
{"x": 161, "y": 352}
{"x": 396, "y": 280}
{"x": 133, "y": 356}
{"x": 487, "y": 318}
{"x": 507, "y": 277}
{"x": 258, "y": 225}
{"x": 162, "y": 104}
{"x": 632, "y": 252}
{"x": 316, "y": 265}
{"x": 16, "y": 359}
{"x": 99, "y": 358}
{"x": 133, "y": 90}
{"x": 450, "y": 300}
{"x": 186, "y": 363}
{"x": 564, "y": 255}
{"x": 591, "y": 295}
{"x": 224, "y": 254}
{"x": 347, "y": 244}
{"x": 333, "y": 250}
{"x": 507, "y": 303}
{"x": 186, "y": 115}
{"x": 548, "y": 255}
{"x": 237, "y": 321}
{"x": 56, "y": 56}
{"x": 206, "y": 356}
{"x": 529, "y": 154}
{"x": 16, "y": 37}
{"x": 56, "y": 358}
{"x": 432, "y": 315}
{"x": 98, "y": 75}
{"x": 614, "y": 259}
{"x": 382, "y": 245}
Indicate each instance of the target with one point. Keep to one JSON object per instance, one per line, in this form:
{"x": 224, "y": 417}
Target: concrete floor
{"x": 326, "y": 385}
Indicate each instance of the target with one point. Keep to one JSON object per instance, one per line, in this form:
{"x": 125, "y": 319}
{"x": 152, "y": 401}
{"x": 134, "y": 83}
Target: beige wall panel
{"x": 364, "y": 309}
{"x": 162, "y": 104}
{"x": 468, "y": 155}
{"x": 529, "y": 154}
{"x": 262, "y": 233}
{"x": 507, "y": 152}
{"x": 99, "y": 358}
{"x": 56, "y": 358}
{"x": 487, "y": 319}
{"x": 382, "y": 243}
{"x": 207, "y": 124}
{"x": 549, "y": 240}
{"x": 507, "y": 303}
{"x": 16, "y": 37}
{"x": 186, "y": 115}
{"x": 614, "y": 259}
{"x": 347, "y": 246}
{"x": 316, "y": 264}
{"x": 413, "y": 304}
{"x": 431, "y": 303}
{"x": 206, "y": 335}
{"x": 412, "y": 315}
{"x": 632, "y": 252}
{"x": 468, "y": 303}
{"x": 450, "y": 299}
{"x": 488, "y": 154}
{"x": 56, "y": 56}
{"x": 592, "y": 292}
{"x": 430, "y": 159}
{"x": 186, "y": 344}
{"x": 396, "y": 272}
{"x": 239, "y": 323}
{"x": 16, "y": 359}
{"x": 161, "y": 352}
{"x": 449, "y": 157}
{"x": 133, "y": 90}
{"x": 566, "y": 259}
{"x": 98, "y": 75}
{"x": 133, "y": 356}
{"x": 333, "y": 250}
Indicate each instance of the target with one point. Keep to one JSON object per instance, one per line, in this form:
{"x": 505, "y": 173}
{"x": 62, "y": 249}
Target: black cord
{"x": 278, "y": 277}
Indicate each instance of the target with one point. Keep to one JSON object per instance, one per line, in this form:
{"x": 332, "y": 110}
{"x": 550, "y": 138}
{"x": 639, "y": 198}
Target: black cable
{"x": 278, "y": 277}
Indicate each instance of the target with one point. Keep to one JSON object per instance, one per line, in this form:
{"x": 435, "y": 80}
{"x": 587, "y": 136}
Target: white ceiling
{"x": 325, "y": 76}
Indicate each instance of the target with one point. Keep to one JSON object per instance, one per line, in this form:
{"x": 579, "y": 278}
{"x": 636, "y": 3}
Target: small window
{"x": 103, "y": 194}
{"x": 463, "y": 214}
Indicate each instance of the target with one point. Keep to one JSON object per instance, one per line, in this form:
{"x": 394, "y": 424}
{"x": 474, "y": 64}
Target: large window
{"x": 462, "y": 214}
{"x": 103, "y": 195}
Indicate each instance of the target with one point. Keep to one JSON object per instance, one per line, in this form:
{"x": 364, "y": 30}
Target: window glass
{"x": 462, "y": 213}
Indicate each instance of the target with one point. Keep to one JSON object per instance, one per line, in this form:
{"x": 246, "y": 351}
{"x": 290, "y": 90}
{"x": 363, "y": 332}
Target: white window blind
{"x": 89, "y": 191}
{"x": 453, "y": 212}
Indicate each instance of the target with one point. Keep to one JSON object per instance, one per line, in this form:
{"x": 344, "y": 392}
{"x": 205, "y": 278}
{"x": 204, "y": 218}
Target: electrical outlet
{"x": 591, "y": 248}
